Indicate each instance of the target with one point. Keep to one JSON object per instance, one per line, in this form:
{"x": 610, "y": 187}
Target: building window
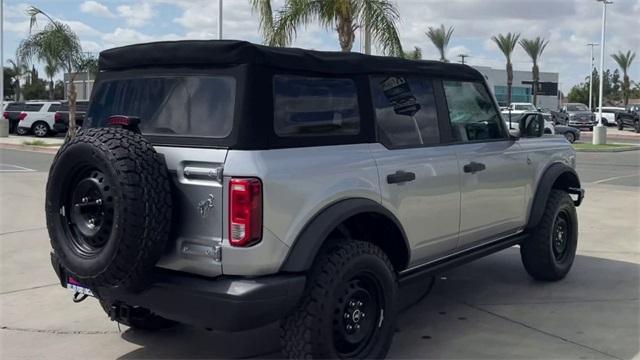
{"x": 518, "y": 94}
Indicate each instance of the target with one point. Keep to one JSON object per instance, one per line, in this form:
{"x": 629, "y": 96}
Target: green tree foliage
{"x": 534, "y": 48}
{"x": 440, "y": 38}
{"x": 611, "y": 89}
{"x": 36, "y": 89}
{"x": 506, "y": 44}
{"x": 56, "y": 42}
{"x": 624, "y": 62}
{"x": 345, "y": 16}
{"x": 415, "y": 54}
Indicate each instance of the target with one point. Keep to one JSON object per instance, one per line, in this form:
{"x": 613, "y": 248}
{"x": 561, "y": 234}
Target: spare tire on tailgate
{"x": 108, "y": 207}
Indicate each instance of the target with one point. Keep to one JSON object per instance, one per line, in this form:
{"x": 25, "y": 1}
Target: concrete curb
{"x": 613, "y": 150}
{"x": 40, "y": 149}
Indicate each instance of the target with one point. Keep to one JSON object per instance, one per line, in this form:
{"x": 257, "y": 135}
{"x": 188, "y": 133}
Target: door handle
{"x": 400, "y": 177}
{"x": 473, "y": 167}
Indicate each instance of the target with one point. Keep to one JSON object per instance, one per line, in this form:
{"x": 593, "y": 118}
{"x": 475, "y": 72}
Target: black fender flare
{"x": 567, "y": 179}
{"x": 309, "y": 241}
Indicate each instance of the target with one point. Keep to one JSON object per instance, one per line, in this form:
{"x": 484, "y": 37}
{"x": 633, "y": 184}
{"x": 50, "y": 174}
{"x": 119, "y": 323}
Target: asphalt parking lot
{"x": 488, "y": 309}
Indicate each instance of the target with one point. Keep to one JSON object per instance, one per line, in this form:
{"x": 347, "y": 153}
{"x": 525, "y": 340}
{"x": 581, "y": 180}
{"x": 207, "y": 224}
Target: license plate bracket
{"x": 75, "y": 286}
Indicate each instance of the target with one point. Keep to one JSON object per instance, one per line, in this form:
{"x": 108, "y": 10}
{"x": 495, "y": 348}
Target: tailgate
{"x": 196, "y": 176}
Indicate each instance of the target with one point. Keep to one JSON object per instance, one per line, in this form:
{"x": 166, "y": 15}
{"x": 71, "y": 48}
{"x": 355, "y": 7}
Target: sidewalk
{"x": 32, "y": 143}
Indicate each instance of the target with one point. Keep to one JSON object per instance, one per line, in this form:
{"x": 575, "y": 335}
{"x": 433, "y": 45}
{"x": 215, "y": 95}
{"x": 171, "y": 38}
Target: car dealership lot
{"x": 486, "y": 309}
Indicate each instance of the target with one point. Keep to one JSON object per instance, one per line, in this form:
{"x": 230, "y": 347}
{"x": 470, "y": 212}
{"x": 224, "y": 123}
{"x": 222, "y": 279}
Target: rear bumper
{"x": 224, "y": 303}
{"x": 60, "y": 127}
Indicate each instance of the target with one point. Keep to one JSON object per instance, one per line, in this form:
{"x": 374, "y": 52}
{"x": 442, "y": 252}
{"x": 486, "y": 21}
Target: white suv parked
{"x": 36, "y": 117}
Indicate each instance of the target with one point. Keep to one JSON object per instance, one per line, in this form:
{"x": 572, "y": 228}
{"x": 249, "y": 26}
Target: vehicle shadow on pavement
{"x": 487, "y": 309}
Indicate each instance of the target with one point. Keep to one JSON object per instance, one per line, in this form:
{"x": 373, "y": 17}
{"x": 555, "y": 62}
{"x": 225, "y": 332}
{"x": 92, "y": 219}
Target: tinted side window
{"x": 405, "y": 111}
{"x": 54, "y": 107}
{"x": 313, "y": 106}
{"x": 15, "y": 107}
{"x": 33, "y": 107}
{"x": 472, "y": 112}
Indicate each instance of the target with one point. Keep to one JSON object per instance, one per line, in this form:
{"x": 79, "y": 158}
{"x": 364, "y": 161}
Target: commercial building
{"x": 522, "y": 90}
{"x": 83, "y": 82}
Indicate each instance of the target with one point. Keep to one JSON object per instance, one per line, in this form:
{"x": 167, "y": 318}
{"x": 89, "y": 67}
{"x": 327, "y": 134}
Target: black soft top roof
{"x": 232, "y": 52}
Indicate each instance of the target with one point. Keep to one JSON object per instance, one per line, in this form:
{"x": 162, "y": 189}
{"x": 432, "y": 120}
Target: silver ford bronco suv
{"x": 230, "y": 185}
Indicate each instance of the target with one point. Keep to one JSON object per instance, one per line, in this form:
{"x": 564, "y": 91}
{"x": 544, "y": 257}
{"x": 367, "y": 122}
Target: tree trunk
{"x": 442, "y": 57}
{"x": 626, "y": 84}
{"x": 509, "y": 81}
{"x": 51, "y": 88}
{"x": 536, "y": 79}
{"x": 73, "y": 129}
{"x": 346, "y": 34}
{"x": 18, "y": 91}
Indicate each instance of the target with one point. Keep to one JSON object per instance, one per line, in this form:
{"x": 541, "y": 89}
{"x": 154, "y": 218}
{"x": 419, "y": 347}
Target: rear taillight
{"x": 245, "y": 211}
{"x": 5, "y": 115}
{"x": 57, "y": 117}
{"x": 23, "y": 115}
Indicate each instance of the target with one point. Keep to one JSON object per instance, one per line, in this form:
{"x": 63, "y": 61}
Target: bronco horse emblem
{"x": 205, "y": 205}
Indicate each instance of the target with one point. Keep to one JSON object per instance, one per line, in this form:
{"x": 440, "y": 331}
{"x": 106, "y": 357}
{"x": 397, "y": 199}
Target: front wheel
{"x": 349, "y": 306}
{"x": 570, "y": 137}
{"x": 549, "y": 252}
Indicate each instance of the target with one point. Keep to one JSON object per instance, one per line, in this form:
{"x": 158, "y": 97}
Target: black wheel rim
{"x": 88, "y": 212}
{"x": 357, "y": 315}
{"x": 569, "y": 136}
{"x": 561, "y": 236}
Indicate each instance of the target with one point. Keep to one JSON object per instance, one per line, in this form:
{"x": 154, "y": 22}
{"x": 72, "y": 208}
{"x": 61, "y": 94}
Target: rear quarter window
{"x": 315, "y": 106}
{"x": 194, "y": 106}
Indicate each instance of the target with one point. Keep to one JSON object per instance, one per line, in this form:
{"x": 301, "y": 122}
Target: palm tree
{"x": 534, "y": 48}
{"x": 56, "y": 41}
{"x": 51, "y": 68}
{"x": 507, "y": 44}
{"x": 624, "y": 62}
{"x": 415, "y": 54}
{"x": 18, "y": 69}
{"x": 345, "y": 16}
{"x": 440, "y": 38}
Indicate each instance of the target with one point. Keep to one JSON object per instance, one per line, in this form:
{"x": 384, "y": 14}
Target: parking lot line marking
{"x": 14, "y": 168}
{"x": 615, "y": 178}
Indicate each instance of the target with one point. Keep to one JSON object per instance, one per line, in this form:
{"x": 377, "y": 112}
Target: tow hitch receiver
{"x": 119, "y": 311}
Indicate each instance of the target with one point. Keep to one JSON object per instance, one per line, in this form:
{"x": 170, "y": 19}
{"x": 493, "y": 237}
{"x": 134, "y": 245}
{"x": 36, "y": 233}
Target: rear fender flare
{"x": 310, "y": 240}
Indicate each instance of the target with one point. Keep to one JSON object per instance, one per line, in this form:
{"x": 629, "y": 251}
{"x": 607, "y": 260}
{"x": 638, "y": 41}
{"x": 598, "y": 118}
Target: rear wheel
{"x": 549, "y": 253}
{"x": 349, "y": 306}
{"x": 40, "y": 129}
{"x": 636, "y": 126}
{"x": 620, "y": 125}
{"x": 22, "y": 131}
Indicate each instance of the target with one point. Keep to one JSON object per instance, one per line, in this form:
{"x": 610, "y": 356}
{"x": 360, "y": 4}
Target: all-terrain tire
{"x": 113, "y": 235}
{"x": 139, "y": 319}
{"x": 549, "y": 252}
{"x": 315, "y": 328}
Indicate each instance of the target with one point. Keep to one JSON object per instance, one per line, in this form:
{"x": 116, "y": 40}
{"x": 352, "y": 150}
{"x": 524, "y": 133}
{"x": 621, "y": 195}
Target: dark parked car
{"x": 576, "y": 115}
{"x": 61, "y": 117}
{"x": 570, "y": 133}
{"x": 629, "y": 118}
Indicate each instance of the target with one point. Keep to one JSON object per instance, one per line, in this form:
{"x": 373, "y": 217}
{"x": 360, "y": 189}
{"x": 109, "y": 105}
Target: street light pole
{"x": 591, "y": 76}
{"x": 219, "y": 19}
{"x": 600, "y": 131}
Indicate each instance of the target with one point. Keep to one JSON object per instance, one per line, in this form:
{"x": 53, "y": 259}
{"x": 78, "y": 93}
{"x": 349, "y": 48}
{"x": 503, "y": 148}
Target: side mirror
{"x": 532, "y": 126}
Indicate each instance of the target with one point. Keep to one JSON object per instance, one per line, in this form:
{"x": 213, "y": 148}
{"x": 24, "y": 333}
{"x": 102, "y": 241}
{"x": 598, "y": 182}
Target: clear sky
{"x": 568, "y": 24}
